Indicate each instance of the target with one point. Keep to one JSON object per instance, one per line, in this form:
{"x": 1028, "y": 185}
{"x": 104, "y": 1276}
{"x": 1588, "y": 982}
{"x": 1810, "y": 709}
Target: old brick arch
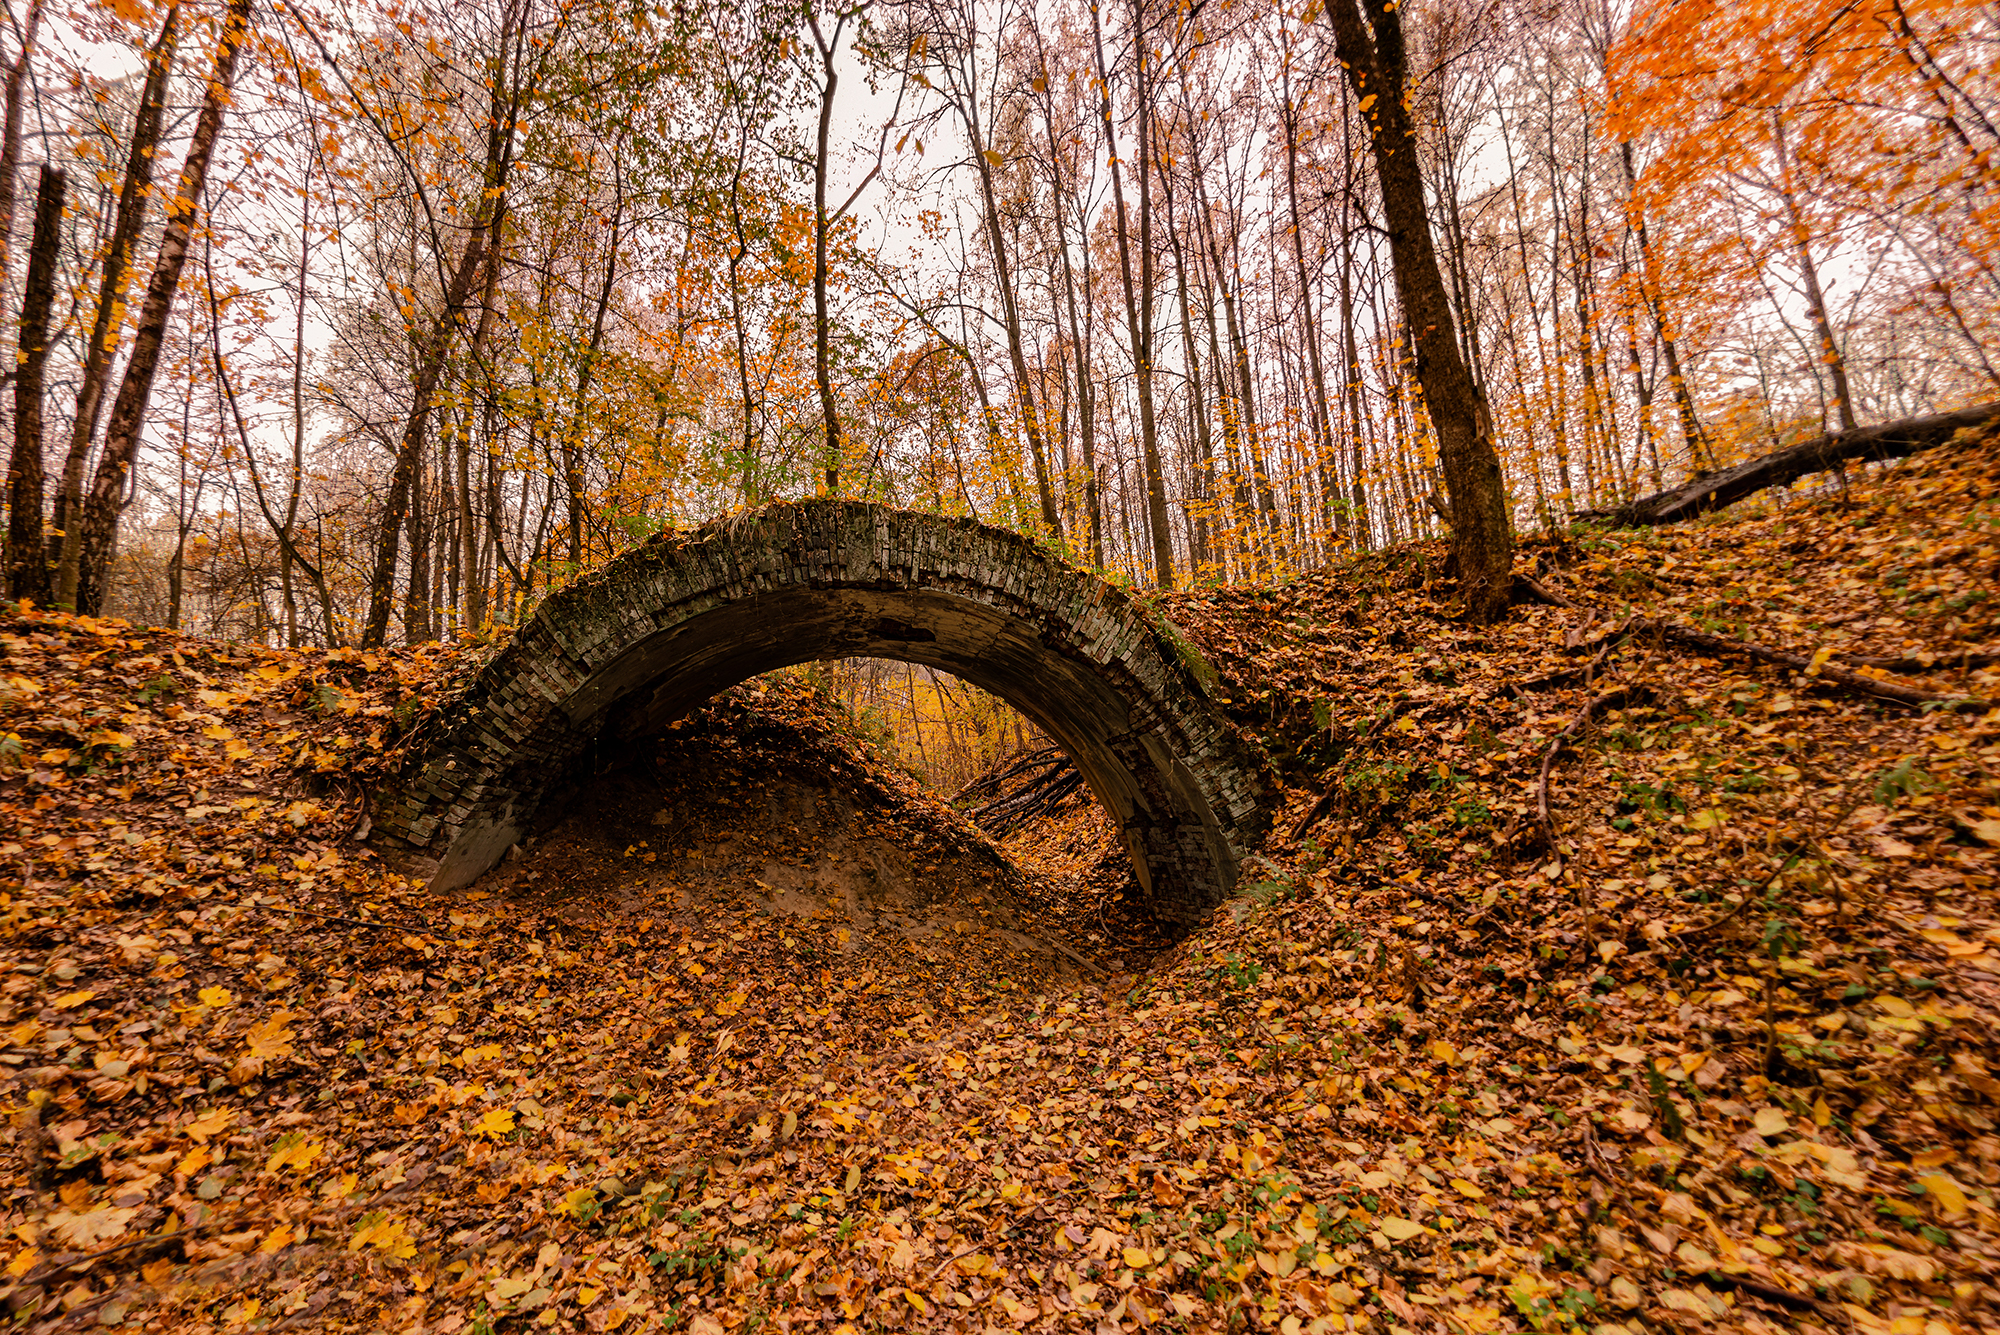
{"x": 626, "y": 650}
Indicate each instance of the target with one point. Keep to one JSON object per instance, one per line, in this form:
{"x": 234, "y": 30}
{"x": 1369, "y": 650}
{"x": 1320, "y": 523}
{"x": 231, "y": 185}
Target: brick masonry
{"x": 614, "y": 657}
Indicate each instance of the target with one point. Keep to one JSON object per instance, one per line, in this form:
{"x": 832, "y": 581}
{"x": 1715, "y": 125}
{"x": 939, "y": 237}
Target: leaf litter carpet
{"x": 760, "y": 1036}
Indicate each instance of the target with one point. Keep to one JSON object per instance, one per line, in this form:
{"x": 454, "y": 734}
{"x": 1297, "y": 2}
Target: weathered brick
{"x": 867, "y": 565}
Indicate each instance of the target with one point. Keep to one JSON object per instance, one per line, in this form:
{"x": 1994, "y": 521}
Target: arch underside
{"x": 619, "y": 662}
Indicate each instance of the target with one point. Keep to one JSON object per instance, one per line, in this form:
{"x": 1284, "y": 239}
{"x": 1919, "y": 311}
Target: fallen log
{"x": 1022, "y": 790}
{"x": 1711, "y": 491}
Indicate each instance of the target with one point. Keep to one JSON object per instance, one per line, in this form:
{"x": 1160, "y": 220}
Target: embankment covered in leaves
{"x": 1708, "y": 1047}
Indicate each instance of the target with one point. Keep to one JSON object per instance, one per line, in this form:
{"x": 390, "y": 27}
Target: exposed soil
{"x": 740, "y": 814}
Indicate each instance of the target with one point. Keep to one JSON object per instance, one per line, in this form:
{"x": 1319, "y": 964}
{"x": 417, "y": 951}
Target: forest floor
{"x": 762, "y": 1035}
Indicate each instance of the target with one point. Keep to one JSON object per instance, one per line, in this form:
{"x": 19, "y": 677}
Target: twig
{"x": 1610, "y": 700}
{"x": 1590, "y": 1153}
{"x": 1541, "y": 592}
{"x": 334, "y": 917}
{"x": 1908, "y": 665}
{"x": 55, "y": 1265}
{"x": 1734, "y": 909}
{"x": 1854, "y": 681}
{"x": 1332, "y": 795}
{"x": 1797, "y": 1302}
{"x": 1812, "y": 838}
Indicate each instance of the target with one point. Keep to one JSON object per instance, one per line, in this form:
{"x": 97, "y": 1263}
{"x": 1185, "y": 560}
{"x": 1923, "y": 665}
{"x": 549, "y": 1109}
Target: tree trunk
{"x": 1086, "y": 399}
{"x": 822, "y": 320}
{"x": 1010, "y": 313}
{"x": 416, "y": 594}
{"x": 10, "y": 136}
{"x": 586, "y": 371}
{"x": 128, "y": 413}
{"x": 1692, "y": 435}
{"x": 1322, "y": 416}
{"x": 1482, "y": 537}
{"x": 1199, "y": 554}
{"x": 485, "y": 236}
{"x": 1829, "y": 347}
{"x": 1139, "y": 302}
{"x": 129, "y": 221}
{"x": 27, "y": 558}
{"x": 737, "y": 254}
{"x": 1351, "y": 355}
{"x": 1257, "y": 471}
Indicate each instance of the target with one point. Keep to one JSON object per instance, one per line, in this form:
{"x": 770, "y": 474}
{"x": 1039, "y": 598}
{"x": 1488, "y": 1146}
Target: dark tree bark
{"x": 1712, "y": 491}
{"x": 1482, "y": 536}
{"x": 134, "y": 193}
{"x": 822, "y": 318}
{"x": 27, "y": 561}
{"x": 1202, "y": 466}
{"x": 1322, "y": 415}
{"x": 10, "y": 136}
{"x": 1830, "y": 354}
{"x": 508, "y": 95}
{"x": 1010, "y": 311}
{"x": 1139, "y": 301}
{"x": 128, "y": 413}
{"x": 1692, "y": 435}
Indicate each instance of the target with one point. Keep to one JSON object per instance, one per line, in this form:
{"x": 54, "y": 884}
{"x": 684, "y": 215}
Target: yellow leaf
{"x": 1467, "y": 1190}
{"x": 207, "y": 1125}
{"x": 1772, "y": 1122}
{"x": 496, "y": 1123}
{"x": 1399, "y": 1230}
{"x": 272, "y": 1037}
{"x": 386, "y": 1234}
{"x": 298, "y": 1156}
{"x": 280, "y": 1238}
{"x": 1950, "y": 1197}
{"x": 71, "y": 1000}
{"x": 25, "y": 1262}
{"x": 1138, "y": 1257}
{"x": 916, "y": 1300}
{"x": 1445, "y": 1052}
{"x": 216, "y": 997}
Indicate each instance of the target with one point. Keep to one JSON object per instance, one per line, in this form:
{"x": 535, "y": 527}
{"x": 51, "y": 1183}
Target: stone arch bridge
{"x": 624, "y": 651}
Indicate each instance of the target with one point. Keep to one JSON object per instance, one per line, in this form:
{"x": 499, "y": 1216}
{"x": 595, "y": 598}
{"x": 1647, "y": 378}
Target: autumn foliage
{"x": 765, "y": 1032}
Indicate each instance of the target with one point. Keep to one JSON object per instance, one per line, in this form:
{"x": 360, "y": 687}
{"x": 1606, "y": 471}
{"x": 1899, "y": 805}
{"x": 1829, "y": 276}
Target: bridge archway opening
{"x": 613, "y": 659}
